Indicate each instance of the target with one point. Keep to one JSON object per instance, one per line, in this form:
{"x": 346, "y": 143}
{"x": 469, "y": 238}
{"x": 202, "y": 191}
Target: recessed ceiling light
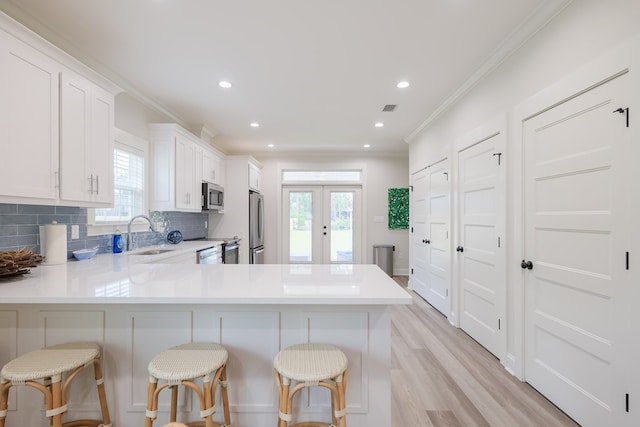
{"x": 225, "y": 84}
{"x": 270, "y": 145}
{"x": 379, "y": 125}
{"x": 367, "y": 145}
{"x": 255, "y": 125}
{"x": 403, "y": 85}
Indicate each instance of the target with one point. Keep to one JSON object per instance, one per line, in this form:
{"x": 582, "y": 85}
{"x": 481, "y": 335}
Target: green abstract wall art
{"x": 398, "y": 208}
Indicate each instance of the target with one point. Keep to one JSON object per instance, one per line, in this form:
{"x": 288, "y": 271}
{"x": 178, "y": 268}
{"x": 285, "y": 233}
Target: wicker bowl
{"x": 13, "y": 263}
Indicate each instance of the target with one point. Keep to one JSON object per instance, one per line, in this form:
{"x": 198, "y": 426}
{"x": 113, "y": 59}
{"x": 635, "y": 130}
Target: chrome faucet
{"x": 129, "y": 239}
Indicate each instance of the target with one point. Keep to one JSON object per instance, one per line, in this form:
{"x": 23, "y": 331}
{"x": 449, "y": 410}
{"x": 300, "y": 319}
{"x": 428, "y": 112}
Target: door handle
{"x": 459, "y": 249}
{"x": 526, "y": 264}
{"x": 427, "y": 241}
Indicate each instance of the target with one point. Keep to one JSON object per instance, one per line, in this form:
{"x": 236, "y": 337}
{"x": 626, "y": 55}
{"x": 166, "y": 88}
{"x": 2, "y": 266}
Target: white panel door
{"x": 576, "y": 156}
{"x": 480, "y": 245}
{"x": 433, "y": 283}
{"x": 419, "y": 269}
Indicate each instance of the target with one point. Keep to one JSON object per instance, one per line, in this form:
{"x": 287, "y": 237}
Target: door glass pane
{"x": 300, "y": 226}
{"x": 341, "y": 226}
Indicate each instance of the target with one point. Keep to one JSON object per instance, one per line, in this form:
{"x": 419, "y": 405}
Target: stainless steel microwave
{"x": 212, "y": 197}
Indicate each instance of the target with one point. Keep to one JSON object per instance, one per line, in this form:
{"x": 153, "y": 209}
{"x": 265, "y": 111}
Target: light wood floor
{"x": 440, "y": 377}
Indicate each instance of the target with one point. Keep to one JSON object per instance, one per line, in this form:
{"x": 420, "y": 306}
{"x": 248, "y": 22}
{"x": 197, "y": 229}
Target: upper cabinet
{"x": 28, "y": 121}
{"x": 180, "y": 163}
{"x": 255, "y": 177}
{"x": 56, "y": 124}
{"x": 86, "y": 141}
{"x": 213, "y": 168}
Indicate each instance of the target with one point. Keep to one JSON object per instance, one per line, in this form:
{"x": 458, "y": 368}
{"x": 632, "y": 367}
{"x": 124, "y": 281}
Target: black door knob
{"x": 427, "y": 241}
{"x": 459, "y": 249}
{"x": 526, "y": 264}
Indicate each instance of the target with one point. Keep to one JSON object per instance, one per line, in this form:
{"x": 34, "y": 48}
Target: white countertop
{"x": 141, "y": 279}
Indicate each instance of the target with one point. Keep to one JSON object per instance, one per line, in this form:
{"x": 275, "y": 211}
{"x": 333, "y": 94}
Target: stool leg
{"x": 224, "y": 395}
{"x": 151, "y": 391}
{"x": 342, "y": 402}
{"x": 174, "y": 404}
{"x": 102, "y": 395}
{"x": 56, "y": 398}
{"x": 207, "y": 398}
{"x": 283, "y": 391}
{"x": 4, "y": 401}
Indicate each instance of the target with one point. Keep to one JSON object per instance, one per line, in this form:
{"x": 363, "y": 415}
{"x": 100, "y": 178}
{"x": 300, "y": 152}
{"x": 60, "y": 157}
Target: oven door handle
{"x": 231, "y": 246}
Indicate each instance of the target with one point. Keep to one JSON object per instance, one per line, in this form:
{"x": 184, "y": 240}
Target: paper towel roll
{"x": 53, "y": 243}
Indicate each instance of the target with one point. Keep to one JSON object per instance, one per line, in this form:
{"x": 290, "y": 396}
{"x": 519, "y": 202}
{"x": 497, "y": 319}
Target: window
{"x": 128, "y": 185}
{"x": 130, "y": 182}
{"x": 344, "y": 176}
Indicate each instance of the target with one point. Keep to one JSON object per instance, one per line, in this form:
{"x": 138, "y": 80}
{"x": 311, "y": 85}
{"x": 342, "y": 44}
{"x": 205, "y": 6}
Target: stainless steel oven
{"x": 230, "y": 249}
{"x": 230, "y": 252}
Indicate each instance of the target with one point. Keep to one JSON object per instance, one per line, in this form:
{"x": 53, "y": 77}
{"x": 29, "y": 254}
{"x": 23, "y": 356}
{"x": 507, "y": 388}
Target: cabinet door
{"x": 28, "y": 121}
{"x": 185, "y": 173}
{"x": 255, "y": 179}
{"x": 76, "y": 183}
{"x": 209, "y": 167}
{"x": 101, "y": 145}
{"x": 86, "y": 142}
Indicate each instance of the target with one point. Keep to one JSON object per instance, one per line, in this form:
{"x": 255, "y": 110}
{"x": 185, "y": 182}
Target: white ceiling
{"x": 314, "y": 74}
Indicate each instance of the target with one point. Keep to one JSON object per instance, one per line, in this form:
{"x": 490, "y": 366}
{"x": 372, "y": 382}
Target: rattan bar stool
{"x": 43, "y": 370}
{"x": 182, "y": 365}
{"x": 311, "y": 364}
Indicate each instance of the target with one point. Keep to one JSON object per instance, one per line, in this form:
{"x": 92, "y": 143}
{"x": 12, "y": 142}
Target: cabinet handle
{"x": 91, "y": 183}
{"x": 97, "y": 184}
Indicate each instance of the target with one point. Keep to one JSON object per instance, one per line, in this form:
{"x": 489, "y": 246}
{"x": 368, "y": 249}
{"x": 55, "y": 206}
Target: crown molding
{"x": 536, "y": 21}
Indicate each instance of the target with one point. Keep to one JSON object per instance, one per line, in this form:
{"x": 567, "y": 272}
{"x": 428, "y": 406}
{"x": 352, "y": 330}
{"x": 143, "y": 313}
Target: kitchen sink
{"x": 153, "y": 252}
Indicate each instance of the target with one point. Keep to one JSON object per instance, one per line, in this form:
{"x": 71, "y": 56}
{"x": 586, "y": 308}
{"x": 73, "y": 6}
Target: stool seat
{"x": 182, "y": 365}
{"x": 49, "y": 361}
{"x": 310, "y": 362}
{"x": 188, "y": 361}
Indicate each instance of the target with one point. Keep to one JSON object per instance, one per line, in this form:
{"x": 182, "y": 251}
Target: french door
{"x": 430, "y": 237}
{"x": 322, "y": 224}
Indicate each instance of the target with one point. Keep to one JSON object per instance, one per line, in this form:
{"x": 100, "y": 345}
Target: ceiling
{"x": 314, "y": 74}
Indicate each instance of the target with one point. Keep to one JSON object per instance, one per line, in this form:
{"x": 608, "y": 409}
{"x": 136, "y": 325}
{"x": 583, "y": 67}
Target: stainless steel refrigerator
{"x": 256, "y": 228}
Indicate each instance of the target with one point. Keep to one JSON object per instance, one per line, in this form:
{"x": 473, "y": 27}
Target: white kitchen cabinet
{"x": 86, "y": 141}
{"x": 255, "y": 177}
{"x": 212, "y": 168}
{"x": 28, "y": 122}
{"x": 176, "y": 169}
{"x": 56, "y": 124}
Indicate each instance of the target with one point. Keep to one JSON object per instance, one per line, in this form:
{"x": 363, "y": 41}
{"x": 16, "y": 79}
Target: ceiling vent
{"x": 389, "y": 107}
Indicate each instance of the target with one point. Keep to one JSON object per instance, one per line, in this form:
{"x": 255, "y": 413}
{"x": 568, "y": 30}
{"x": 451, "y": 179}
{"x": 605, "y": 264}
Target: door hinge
{"x": 498, "y": 324}
{"x": 498, "y": 241}
{"x": 411, "y": 187}
{"x": 626, "y": 402}
{"x": 499, "y": 157}
{"x": 412, "y": 229}
{"x": 623, "y": 111}
{"x": 412, "y": 271}
{"x": 446, "y": 174}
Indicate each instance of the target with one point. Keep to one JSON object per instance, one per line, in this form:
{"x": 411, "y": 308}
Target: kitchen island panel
{"x": 131, "y": 334}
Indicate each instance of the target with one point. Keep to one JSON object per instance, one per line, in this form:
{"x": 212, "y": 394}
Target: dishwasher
{"x": 212, "y": 255}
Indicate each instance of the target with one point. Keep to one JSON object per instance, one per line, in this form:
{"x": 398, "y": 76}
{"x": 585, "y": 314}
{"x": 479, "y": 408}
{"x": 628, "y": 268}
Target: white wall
{"x": 582, "y": 32}
{"x": 381, "y": 173}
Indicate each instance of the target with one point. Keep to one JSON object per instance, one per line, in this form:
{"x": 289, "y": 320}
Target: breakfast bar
{"x": 134, "y": 310}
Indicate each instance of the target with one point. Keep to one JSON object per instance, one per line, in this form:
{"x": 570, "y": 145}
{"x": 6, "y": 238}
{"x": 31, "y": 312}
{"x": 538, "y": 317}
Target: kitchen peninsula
{"x": 135, "y": 310}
